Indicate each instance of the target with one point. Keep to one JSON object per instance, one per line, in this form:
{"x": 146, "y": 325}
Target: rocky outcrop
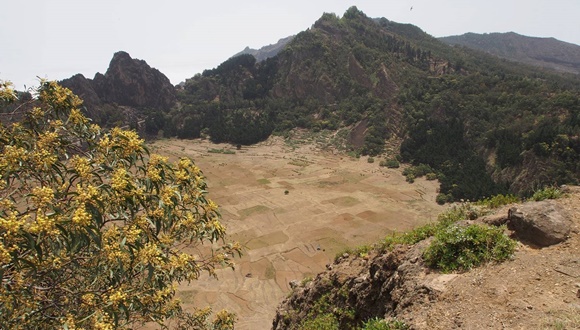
{"x": 542, "y": 223}
{"x": 134, "y": 83}
{"x": 360, "y": 288}
{"x": 128, "y": 87}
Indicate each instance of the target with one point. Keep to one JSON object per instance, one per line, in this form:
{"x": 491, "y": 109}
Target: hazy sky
{"x": 57, "y": 38}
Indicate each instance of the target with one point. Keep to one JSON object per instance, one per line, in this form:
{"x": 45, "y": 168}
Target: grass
{"x": 221, "y": 151}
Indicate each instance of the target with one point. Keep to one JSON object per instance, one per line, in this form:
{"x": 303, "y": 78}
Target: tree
{"x": 94, "y": 230}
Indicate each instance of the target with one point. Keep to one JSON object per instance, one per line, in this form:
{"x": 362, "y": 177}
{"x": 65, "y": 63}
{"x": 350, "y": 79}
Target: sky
{"x": 56, "y": 39}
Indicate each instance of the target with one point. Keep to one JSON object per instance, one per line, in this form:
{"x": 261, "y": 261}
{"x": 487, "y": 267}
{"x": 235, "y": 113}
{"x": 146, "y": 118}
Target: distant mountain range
{"x": 266, "y": 51}
{"x": 543, "y": 52}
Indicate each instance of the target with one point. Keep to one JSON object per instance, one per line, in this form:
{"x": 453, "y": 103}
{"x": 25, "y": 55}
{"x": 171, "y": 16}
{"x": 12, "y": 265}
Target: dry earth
{"x": 332, "y": 202}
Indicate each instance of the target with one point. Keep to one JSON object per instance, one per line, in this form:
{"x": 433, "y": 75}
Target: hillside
{"x": 537, "y": 289}
{"x": 482, "y": 125}
{"x": 543, "y": 52}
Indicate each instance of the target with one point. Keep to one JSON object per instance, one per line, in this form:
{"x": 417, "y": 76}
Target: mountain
{"x": 543, "y": 52}
{"x": 266, "y": 51}
{"x": 128, "y": 89}
{"x": 481, "y": 124}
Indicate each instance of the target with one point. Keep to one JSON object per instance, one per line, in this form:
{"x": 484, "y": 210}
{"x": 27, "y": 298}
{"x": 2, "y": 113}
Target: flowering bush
{"x": 94, "y": 231}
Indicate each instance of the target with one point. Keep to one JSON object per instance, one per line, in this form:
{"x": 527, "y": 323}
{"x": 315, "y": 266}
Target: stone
{"x": 542, "y": 223}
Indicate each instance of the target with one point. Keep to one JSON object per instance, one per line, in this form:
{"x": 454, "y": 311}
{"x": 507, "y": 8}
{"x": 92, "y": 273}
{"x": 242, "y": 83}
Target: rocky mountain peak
{"x": 132, "y": 82}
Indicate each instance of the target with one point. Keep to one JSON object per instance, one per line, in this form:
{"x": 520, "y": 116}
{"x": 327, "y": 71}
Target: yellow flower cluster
{"x": 117, "y": 296}
{"x": 88, "y": 299}
{"x": 80, "y": 216}
{"x": 128, "y": 141}
{"x": 150, "y": 253}
{"x": 77, "y": 118}
{"x": 44, "y": 224}
{"x": 154, "y": 173}
{"x": 12, "y": 157}
{"x": 87, "y": 194}
{"x": 167, "y": 195}
{"x": 11, "y": 224}
{"x": 82, "y": 166}
{"x": 119, "y": 179}
{"x": 42, "y": 196}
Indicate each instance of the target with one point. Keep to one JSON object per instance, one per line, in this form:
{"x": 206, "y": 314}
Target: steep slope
{"x": 543, "y": 52}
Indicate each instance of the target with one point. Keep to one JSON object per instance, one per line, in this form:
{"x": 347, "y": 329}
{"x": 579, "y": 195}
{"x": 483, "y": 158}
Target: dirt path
{"x": 293, "y": 209}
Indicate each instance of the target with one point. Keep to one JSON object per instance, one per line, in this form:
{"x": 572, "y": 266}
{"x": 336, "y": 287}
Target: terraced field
{"x": 293, "y": 207}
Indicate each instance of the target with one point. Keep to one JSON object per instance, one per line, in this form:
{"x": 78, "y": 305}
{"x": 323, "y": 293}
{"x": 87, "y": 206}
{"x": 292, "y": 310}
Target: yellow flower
{"x": 82, "y": 166}
{"x": 167, "y": 195}
{"x": 119, "y": 179}
{"x": 81, "y": 216}
{"x": 77, "y": 118}
{"x": 42, "y": 196}
{"x": 117, "y": 296}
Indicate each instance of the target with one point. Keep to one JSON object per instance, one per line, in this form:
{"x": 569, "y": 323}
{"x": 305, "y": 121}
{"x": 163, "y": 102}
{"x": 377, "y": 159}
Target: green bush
{"x": 442, "y": 198}
{"x": 326, "y": 321}
{"x": 547, "y": 193}
{"x": 392, "y": 163}
{"x": 382, "y": 324}
{"x": 498, "y": 200}
{"x": 431, "y": 176}
{"x": 461, "y": 248}
{"x": 371, "y": 160}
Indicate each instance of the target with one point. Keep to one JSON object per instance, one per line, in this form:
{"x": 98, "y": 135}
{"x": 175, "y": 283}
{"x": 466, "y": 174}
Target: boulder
{"x": 542, "y": 223}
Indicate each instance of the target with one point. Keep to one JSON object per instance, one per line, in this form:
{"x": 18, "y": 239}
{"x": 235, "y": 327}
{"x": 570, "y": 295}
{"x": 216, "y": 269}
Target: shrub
{"x": 461, "y": 248}
{"x": 91, "y": 224}
{"x": 392, "y": 163}
{"x": 547, "y": 193}
{"x": 371, "y": 160}
{"x": 326, "y": 321}
{"x": 498, "y": 200}
{"x": 441, "y": 198}
{"x": 382, "y": 324}
{"x": 431, "y": 176}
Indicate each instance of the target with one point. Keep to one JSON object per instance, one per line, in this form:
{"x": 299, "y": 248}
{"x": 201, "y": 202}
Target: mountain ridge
{"x": 548, "y": 53}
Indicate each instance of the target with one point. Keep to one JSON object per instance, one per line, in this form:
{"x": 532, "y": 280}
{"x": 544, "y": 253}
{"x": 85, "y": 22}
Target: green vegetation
{"x": 325, "y": 315}
{"x": 390, "y": 163}
{"x": 497, "y": 201}
{"x": 464, "y": 247}
{"x": 221, "y": 151}
{"x": 547, "y": 193}
{"x": 382, "y": 324}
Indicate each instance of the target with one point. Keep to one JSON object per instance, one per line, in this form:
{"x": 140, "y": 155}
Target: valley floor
{"x": 293, "y": 207}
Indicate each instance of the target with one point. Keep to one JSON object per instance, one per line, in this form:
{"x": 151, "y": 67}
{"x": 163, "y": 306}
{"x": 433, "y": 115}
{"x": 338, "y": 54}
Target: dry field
{"x": 293, "y": 208}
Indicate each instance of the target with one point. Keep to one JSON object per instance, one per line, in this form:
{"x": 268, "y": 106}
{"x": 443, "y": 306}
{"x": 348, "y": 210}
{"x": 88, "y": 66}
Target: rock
{"x": 294, "y": 284}
{"x": 495, "y": 219}
{"x": 542, "y": 223}
{"x": 133, "y": 82}
{"x": 125, "y": 91}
